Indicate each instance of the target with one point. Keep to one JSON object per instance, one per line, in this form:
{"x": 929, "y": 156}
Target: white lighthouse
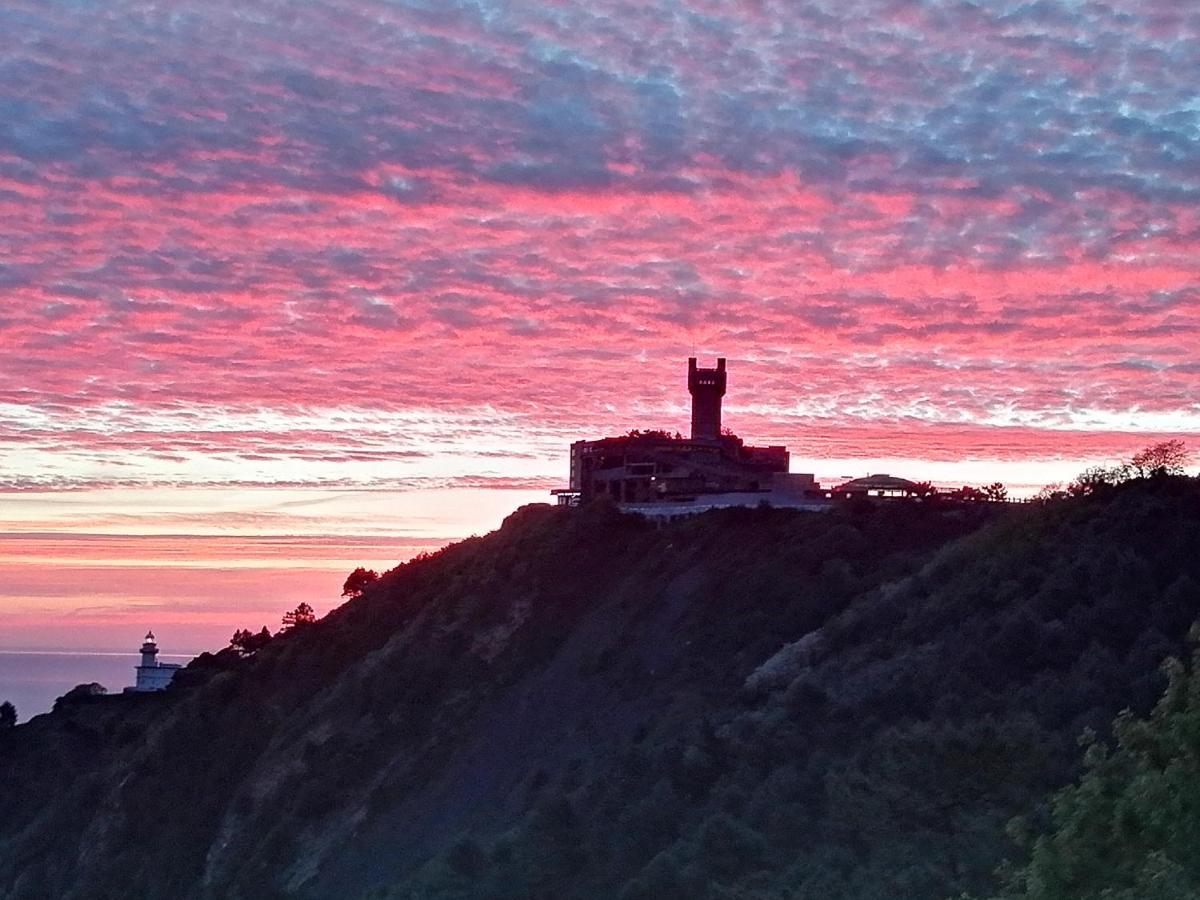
{"x": 151, "y": 674}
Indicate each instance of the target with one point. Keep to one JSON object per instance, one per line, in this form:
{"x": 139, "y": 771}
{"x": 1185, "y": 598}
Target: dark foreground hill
{"x": 752, "y": 704}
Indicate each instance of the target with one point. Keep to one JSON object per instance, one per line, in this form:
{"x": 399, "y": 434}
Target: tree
{"x": 466, "y": 857}
{"x": 925, "y": 490}
{"x": 1128, "y": 829}
{"x": 358, "y": 581}
{"x": 1050, "y": 493}
{"x": 996, "y": 492}
{"x": 247, "y": 642}
{"x": 81, "y": 693}
{"x": 8, "y": 715}
{"x": 1163, "y": 458}
{"x": 301, "y": 615}
{"x": 1096, "y": 478}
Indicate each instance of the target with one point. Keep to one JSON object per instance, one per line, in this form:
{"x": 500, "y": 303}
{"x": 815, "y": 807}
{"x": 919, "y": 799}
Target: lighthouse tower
{"x": 151, "y": 674}
{"x": 149, "y": 652}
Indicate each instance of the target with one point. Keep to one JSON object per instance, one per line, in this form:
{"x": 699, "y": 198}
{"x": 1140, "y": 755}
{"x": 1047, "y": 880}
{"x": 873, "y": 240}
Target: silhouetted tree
{"x": 248, "y": 642}
{"x": 301, "y": 615}
{"x": 358, "y": 581}
{"x": 996, "y": 492}
{"x": 1050, "y": 493}
{"x": 81, "y": 693}
{"x": 1163, "y": 458}
{"x": 8, "y": 715}
{"x": 1094, "y": 479}
{"x": 925, "y": 490}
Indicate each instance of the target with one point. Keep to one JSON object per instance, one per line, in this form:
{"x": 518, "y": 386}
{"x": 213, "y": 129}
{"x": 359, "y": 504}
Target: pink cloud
{"x": 390, "y": 247}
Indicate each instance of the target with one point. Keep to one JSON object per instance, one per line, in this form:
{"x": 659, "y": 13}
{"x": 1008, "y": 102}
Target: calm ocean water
{"x": 32, "y": 680}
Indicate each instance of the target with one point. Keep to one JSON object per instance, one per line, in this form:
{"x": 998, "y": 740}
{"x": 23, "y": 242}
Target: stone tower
{"x": 707, "y": 387}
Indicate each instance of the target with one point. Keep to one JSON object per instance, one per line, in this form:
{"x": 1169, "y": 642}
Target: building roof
{"x": 880, "y": 482}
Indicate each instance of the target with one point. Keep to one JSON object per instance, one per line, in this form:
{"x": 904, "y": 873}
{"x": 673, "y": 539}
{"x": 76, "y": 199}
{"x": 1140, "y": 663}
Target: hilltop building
{"x": 152, "y": 675}
{"x": 657, "y": 473}
{"x": 663, "y": 475}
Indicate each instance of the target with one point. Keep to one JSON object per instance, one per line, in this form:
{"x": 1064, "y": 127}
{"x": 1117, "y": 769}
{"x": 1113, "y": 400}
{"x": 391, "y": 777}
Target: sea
{"x": 32, "y": 679}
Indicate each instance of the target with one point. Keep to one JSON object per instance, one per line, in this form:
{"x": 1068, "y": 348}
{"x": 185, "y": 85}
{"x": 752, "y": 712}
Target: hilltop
{"x": 755, "y": 703}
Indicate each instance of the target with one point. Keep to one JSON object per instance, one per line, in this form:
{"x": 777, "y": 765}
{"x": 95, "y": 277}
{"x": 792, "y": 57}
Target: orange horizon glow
{"x": 291, "y": 291}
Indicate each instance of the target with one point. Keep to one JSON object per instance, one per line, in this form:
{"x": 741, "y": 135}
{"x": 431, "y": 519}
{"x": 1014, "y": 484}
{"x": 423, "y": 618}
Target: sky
{"x": 293, "y": 287}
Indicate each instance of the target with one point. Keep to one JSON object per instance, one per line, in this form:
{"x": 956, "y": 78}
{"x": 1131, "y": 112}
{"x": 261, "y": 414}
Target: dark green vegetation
{"x": 1129, "y": 829}
{"x": 752, "y": 704}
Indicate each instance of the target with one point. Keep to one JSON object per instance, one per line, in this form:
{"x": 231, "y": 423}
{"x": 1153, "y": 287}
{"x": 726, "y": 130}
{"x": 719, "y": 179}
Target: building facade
{"x": 648, "y": 469}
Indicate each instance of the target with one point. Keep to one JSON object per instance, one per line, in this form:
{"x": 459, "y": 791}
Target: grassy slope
{"x": 750, "y": 704}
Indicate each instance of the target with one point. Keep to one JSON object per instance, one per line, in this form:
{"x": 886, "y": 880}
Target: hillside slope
{"x": 755, "y": 703}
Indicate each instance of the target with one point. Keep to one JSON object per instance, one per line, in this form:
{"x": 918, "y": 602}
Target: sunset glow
{"x": 295, "y": 287}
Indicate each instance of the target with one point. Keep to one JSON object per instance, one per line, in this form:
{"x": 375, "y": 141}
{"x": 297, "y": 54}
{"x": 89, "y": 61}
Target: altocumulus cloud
{"x": 960, "y": 214}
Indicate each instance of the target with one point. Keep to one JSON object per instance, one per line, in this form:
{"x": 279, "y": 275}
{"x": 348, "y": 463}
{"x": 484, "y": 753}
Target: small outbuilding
{"x": 881, "y": 485}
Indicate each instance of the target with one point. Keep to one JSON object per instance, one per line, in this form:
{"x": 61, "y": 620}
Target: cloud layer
{"x": 411, "y": 244}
